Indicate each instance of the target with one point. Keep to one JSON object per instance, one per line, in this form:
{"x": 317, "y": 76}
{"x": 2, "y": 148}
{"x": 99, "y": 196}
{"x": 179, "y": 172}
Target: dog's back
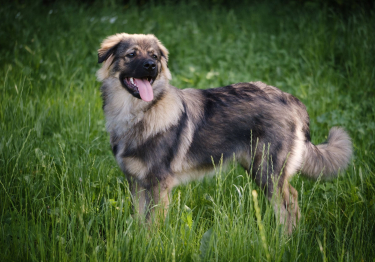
{"x": 162, "y": 136}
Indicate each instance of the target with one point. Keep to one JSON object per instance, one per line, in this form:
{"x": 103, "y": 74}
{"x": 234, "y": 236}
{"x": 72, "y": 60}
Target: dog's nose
{"x": 149, "y": 65}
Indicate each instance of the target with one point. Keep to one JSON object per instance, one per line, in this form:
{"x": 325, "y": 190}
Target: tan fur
{"x": 181, "y": 164}
{"x": 158, "y": 144}
{"x": 295, "y": 158}
{"x": 111, "y": 41}
{"x": 103, "y": 72}
{"x": 136, "y": 166}
{"x": 162, "y": 115}
{"x": 286, "y": 207}
{"x": 327, "y": 159}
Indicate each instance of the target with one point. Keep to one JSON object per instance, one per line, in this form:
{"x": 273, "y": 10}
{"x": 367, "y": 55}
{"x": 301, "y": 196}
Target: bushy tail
{"x": 330, "y": 157}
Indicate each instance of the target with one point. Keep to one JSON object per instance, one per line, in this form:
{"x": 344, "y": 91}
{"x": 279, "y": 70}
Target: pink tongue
{"x": 145, "y": 89}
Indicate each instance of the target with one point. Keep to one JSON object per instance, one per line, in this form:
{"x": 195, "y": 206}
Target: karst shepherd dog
{"x": 162, "y": 136}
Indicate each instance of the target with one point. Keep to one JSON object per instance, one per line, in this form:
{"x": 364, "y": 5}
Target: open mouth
{"x": 140, "y": 87}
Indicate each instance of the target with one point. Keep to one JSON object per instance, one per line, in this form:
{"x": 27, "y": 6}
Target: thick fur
{"x": 174, "y": 138}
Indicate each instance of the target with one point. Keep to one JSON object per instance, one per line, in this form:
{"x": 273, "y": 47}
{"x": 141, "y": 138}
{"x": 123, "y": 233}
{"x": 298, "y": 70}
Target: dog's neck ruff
{"x": 123, "y": 111}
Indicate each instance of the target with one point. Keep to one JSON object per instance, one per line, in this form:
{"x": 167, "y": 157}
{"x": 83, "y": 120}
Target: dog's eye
{"x": 155, "y": 56}
{"x": 131, "y": 55}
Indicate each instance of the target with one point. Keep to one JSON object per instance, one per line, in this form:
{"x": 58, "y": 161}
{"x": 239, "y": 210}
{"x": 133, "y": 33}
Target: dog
{"x": 162, "y": 136}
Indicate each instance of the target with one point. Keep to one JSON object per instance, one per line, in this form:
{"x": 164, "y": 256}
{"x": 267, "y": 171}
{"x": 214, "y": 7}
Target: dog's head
{"x": 139, "y": 61}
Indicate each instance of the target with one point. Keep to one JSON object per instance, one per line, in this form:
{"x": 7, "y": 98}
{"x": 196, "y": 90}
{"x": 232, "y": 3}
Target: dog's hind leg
{"x": 285, "y": 204}
{"x": 272, "y": 177}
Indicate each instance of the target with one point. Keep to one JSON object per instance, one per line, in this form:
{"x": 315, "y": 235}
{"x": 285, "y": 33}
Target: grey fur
{"x": 330, "y": 157}
{"x": 174, "y": 138}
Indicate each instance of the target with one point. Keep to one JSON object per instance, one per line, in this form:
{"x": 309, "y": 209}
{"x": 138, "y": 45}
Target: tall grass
{"x": 62, "y": 196}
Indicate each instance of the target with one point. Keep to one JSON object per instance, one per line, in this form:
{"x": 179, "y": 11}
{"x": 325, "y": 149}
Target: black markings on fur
{"x": 134, "y": 69}
{"x": 306, "y": 131}
{"x": 234, "y": 115}
{"x": 258, "y": 125}
{"x": 118, "y": 61}
{"x": 114, "y": 149}
{"x": 179, "y": 128}
{"x": 274, "y": 153}
{"x": 104, "y": 96}
{"x": 292, "y": 127}
{"x": 164, "y": 56}
{"x": 156, "y": 100}
{"x": 159, "y": 150}
{"x": 240, "y": 118}
{"x": 104, "y": 56}
{"x": 278, "y": 147}
{"x": 296, "y": 101}
{"x": 283, "y": 100}
{"x": 226, "y": 124}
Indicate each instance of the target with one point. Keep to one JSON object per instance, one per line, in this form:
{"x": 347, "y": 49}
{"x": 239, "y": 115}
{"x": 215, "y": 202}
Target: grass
{"x": 62, "y": 196}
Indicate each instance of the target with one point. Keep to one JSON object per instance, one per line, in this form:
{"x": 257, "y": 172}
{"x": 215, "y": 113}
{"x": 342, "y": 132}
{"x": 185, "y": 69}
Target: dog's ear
{"x": 107, "y": 53}
{"x": 104, "y": 54}
{"x": 109, "y": 47}
{"x": 164, "y": 60}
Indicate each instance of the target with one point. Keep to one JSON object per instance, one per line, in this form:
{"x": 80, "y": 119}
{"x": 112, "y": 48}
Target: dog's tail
{"x": 328, "y": 158}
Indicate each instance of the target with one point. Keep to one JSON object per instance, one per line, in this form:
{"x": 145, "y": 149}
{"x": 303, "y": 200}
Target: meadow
{"x": 62, "y": 195}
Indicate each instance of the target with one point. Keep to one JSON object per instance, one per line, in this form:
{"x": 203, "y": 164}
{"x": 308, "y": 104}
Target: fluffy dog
{"x": 162, "y": 136}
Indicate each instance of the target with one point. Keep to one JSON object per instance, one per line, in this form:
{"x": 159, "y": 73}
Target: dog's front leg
{"x": 138, "y": 197}
{"x": 159, "y": 201}
{"x": 150, "y": 202}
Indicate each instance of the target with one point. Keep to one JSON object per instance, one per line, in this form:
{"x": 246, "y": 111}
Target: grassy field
{"x": 62, "y": 196}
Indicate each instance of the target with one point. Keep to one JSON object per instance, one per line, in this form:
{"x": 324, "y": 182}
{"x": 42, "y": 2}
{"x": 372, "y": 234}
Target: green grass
{"x": 62, "y": 196}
